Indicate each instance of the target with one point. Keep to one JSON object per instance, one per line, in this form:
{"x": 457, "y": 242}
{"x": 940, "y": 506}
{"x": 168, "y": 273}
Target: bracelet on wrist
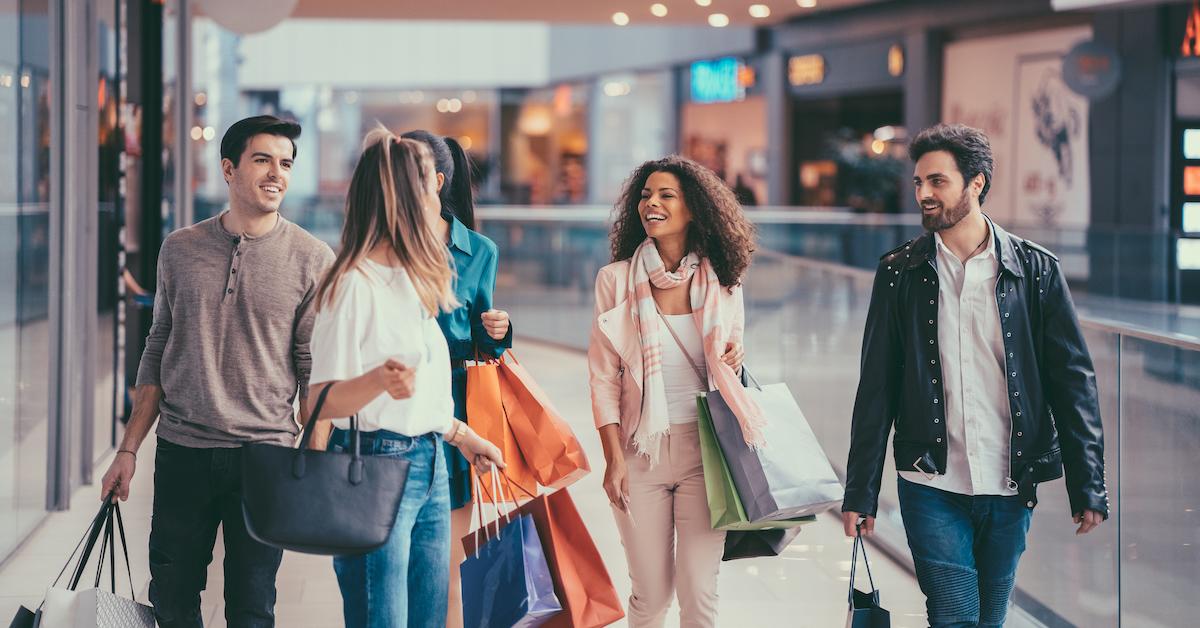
{"x": 128, "y": 451}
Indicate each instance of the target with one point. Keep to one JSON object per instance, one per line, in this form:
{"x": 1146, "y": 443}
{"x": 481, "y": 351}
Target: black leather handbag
{"x": 320, "y": 502}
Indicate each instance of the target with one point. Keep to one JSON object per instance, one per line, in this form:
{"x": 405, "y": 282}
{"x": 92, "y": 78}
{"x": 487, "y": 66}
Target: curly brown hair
{"x": 719, "y": 229}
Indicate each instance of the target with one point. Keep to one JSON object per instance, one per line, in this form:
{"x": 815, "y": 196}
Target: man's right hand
{"x": 119, "y": 476}
{"x": 850, "y": 521}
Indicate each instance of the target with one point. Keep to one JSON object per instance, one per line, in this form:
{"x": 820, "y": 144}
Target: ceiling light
{"x": 718, "y": 20}
{"x": 443, "y": 105}
{"x": 454, "y": 105}
{"x": 209, "y": 133}
{"x": 465, "y": 142}
{"x": 620, "y": 18}
{"x": 760, "y": 10}
{"x": 703, "y": 3}
{"x": 197, "y": 133}
{"x": 807, "y": 4}
{"x": 658, "y": 10}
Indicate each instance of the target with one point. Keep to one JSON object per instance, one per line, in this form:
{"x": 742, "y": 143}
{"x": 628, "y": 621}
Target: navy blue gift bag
{"x": 506, "y": 581}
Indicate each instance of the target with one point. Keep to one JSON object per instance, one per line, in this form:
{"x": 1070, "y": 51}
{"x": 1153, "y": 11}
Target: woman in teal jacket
{"x": 473, "y": 329}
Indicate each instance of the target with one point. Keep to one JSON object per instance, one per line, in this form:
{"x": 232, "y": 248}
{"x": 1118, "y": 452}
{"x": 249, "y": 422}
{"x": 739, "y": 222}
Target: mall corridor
{"x": 805, "y": 587}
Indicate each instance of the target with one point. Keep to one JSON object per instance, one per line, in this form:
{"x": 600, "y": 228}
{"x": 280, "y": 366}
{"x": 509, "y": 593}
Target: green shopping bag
{"x": 723, "y": 502}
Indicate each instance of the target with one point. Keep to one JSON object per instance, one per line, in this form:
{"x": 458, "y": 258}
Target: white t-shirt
{"x": 680, "y": 382}
{"x": 375, "y": 315}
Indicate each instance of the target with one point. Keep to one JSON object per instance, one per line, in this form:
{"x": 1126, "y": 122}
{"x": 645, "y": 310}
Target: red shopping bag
{"x": 485, "y": 414}
{"x": 548, "y": 443}
{"x": 581, "y": 581}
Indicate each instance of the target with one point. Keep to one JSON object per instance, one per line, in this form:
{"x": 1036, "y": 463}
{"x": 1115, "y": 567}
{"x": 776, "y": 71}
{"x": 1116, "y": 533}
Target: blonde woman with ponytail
{"x": 376, "y": 341}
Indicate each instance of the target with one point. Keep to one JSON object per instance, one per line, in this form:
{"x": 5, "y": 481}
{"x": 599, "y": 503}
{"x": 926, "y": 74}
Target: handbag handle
{"x": 356, "y": 462}
{"x": 858, "y": 542}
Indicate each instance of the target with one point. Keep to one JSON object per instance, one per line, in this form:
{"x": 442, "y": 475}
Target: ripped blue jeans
{"x": 966, "y": 550}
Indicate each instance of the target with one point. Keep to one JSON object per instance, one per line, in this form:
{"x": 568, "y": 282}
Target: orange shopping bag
{"x": 485, "y": 414}
{"x": 581, "y": 581}
{"x": 549, "y": 444}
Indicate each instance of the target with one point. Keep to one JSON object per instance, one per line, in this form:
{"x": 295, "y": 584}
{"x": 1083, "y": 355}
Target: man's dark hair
{"x": 970, "y": 147}
{"x": 233, "y": 144}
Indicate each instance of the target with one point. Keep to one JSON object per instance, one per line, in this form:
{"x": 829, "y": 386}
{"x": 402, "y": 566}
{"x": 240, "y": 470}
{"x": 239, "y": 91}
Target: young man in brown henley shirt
{"x": 226, "y": 356}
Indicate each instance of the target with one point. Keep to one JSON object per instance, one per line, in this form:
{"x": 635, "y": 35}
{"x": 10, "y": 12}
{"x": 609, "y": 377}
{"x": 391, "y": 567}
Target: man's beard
{"x": 946, "y": 217}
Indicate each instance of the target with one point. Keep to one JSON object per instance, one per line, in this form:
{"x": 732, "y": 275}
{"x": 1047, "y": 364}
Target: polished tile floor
{"x": 806, "y": 586}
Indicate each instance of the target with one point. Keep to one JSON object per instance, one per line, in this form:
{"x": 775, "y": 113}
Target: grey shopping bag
{"x": 790, "y": 476}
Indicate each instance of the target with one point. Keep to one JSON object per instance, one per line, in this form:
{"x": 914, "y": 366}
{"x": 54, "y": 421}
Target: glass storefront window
{"x": 24, "y": 265}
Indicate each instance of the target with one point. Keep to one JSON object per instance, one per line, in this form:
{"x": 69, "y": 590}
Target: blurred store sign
{"x": 806, "y": 70}
{"x": 1191, "y": 34}
{"x": 1191, "y": 180}
{"x": 720, "y": 80}
{"x": 1092, "y": 70}
{"x": 246, "y": 18}
{"x": 1191, "y": 217}
{"x": 1072, "y": 5}
{"x": 1191, "y": 144}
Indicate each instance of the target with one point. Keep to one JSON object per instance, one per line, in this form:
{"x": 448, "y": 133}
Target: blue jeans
{"x": 966, "y": 550}
{"x": 404, "y": 583}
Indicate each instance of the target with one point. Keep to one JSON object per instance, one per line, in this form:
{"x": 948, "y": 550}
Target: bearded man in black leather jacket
{"x": 972, "y": 350}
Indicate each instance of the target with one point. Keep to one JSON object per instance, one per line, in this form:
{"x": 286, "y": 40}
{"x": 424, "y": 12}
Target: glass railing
{"x": 806, "y": 306}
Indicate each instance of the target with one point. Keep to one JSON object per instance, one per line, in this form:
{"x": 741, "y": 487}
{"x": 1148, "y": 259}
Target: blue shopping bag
{"x": 507, "y": 582}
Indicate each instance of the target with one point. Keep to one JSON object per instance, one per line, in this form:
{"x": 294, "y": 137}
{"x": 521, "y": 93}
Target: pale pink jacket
{"x": 615, "y": 348}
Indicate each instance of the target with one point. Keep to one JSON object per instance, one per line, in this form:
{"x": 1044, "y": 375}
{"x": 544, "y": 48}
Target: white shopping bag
{"x": 93, "y": 608}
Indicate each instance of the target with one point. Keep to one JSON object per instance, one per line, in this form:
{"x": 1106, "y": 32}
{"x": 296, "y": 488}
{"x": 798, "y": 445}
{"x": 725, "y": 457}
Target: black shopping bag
{"x": 865, "y": 611}
{"x": 24, "y": 618}
{"x": 757, "y": 543}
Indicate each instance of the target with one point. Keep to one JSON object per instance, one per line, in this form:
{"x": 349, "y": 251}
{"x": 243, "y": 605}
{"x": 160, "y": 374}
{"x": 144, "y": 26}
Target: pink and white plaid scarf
{"x": 646, "y": 268}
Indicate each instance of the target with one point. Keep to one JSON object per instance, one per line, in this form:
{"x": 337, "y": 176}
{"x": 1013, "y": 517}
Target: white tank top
{"x": 680, "y": 382}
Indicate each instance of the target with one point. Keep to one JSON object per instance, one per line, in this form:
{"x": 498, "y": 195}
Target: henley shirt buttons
{"x": 229, "y": 291}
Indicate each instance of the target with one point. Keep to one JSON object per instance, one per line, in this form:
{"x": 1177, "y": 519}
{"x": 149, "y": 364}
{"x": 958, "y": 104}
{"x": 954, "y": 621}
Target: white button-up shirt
{"x": 971, "y": 344}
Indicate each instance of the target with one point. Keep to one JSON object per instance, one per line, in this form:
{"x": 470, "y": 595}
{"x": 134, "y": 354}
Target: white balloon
{"x": 241, "y": 16}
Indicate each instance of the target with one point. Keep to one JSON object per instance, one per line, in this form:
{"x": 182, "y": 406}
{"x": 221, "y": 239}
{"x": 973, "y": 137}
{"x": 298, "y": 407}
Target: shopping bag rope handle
{"x": 496, "y": 492}
{"x": 91, "y": 536}
{"x": 858, "y": 542}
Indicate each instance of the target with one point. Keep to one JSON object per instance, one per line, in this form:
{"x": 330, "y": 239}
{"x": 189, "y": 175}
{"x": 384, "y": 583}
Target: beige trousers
{"x": 668, "y": 537}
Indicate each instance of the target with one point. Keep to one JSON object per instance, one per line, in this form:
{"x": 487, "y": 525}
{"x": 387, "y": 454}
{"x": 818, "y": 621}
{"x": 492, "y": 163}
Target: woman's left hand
{"x": 734, "y": 355}
{"x": 495, "y": 322}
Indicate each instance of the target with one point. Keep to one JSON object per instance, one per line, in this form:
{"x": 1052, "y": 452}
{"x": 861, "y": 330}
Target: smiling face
{"x": 662, "y": 210}
{"x": 260, "y": 179}
{"x": 944, "y": 197}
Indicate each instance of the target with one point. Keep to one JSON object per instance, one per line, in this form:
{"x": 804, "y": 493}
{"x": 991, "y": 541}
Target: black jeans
{"x": 195, "y": 490}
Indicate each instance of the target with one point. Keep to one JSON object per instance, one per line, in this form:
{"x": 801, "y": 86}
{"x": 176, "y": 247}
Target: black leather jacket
{"x": 1052, "y": 392}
